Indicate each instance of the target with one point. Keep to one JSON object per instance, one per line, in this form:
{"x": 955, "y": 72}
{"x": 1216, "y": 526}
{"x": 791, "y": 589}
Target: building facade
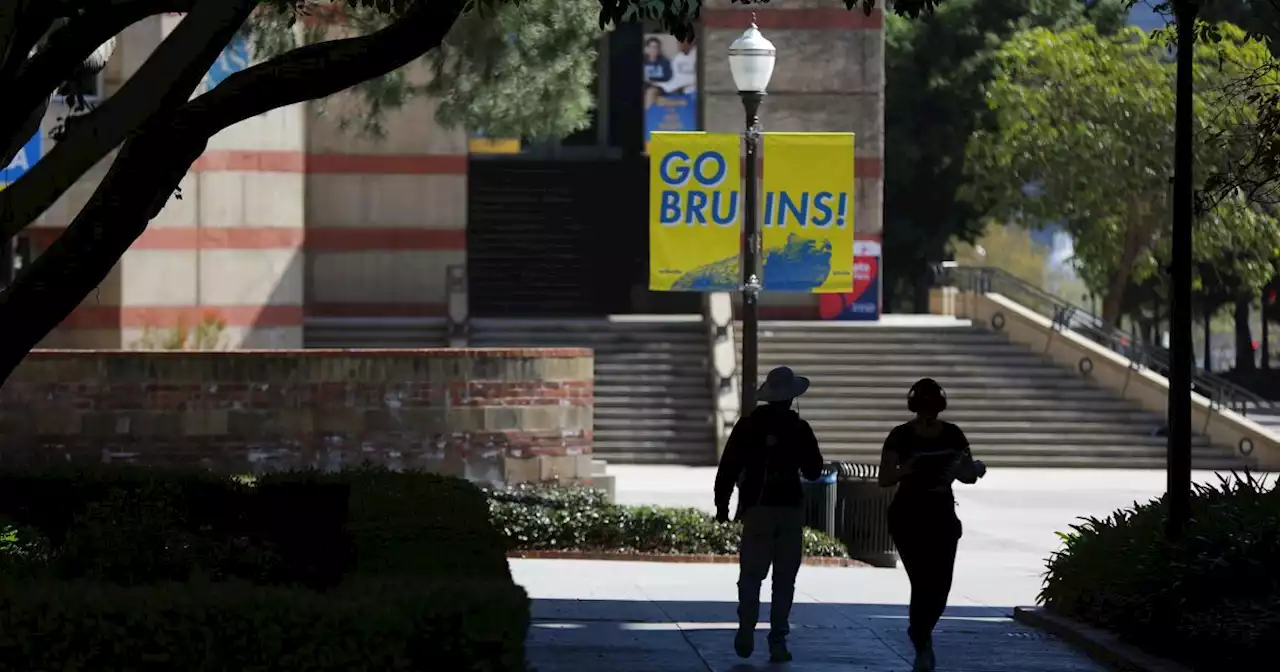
{"x": 288, "y": 216}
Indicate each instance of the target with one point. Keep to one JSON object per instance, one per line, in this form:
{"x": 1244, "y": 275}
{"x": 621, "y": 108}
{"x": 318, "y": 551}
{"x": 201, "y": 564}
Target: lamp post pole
{"x": 1178, "y": 465}
{"x": 751, "y": 60}
{"x": 751, "y": 283}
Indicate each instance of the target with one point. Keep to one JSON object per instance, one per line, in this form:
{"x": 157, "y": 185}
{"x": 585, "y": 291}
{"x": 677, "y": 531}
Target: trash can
{"x": 862, "y": 514}
{"x": 820, "y": 501}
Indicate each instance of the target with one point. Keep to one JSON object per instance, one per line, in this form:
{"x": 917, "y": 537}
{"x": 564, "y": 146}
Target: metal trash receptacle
{"x": 862, "y": 514}
{"x": 820, "y": 501}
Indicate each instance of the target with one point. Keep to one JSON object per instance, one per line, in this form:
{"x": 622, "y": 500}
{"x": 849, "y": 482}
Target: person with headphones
{"x": 923, "y": 457}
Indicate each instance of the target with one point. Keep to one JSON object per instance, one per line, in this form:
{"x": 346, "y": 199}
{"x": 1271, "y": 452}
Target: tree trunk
{"x": 139, "y": 183}
{"x": 1244, "y": 337}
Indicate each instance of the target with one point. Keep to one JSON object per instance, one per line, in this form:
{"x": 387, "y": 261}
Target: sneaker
{"x": 778, "y": 652}
{"x": 925, "y": 661}
{"x": 744, "y": 643}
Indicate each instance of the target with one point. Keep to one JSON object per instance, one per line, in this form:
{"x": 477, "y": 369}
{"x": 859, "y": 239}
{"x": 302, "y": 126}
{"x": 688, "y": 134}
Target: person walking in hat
{"x": 923, "y": 457}
{"x": 768, "y": 450}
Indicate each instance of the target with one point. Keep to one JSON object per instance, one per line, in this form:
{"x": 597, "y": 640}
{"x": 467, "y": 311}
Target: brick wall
{"x": 486, "y": 414}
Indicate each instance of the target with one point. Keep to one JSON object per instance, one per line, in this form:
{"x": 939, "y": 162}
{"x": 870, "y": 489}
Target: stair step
{"x": 983, "y": 427}
{"x": 964, "y": 416}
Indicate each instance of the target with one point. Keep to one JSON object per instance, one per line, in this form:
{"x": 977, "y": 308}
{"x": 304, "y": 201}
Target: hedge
{"x": 368, "y": 624}
{"x": 1210, "y": 601}
{"x": 539, "y": 518}
{"x": 131, "y": 525}
{"x": 127, "y": 568}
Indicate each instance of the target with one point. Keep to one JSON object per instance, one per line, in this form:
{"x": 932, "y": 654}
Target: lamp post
{"x": 751, "y": 60}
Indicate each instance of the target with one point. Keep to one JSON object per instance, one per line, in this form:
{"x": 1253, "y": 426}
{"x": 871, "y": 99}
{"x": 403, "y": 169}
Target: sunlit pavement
{"x": 633, "y": 617}
{"x": 624, "y": 617}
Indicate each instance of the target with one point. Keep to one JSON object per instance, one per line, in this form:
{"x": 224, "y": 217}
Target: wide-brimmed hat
{"x": 782, "y": 384}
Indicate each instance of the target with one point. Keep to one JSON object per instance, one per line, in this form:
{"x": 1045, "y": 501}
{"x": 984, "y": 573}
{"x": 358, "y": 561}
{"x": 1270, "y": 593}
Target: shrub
{"x": 133, "y": 525}
{"x": 1211, "y": 600}
{"x": 121, "y": 523}
{"x": 538, "y": 517}
{"x": 414, "y": 523}
{"x": 373, "y": 625}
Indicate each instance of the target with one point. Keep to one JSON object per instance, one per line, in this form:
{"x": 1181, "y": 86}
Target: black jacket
{"x": 766, "y": 453}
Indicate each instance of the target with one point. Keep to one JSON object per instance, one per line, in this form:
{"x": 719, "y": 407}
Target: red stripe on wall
{"x": 779, "y": 18}
{"x": 367, "y": 309}
{"x": 169, "y": 317}
{"x": 346, "y": 239}
{"x": 356, "y": 239}
{"x": 357, "y": 164}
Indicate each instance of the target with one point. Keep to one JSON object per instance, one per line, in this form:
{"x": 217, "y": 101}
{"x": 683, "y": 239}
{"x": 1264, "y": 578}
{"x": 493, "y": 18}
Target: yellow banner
{"x": 808, "y": 212}
{"x": 694, "y": 218}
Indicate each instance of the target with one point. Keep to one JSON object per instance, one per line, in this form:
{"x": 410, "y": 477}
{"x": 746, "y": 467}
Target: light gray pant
{"x": 771, "y": 535}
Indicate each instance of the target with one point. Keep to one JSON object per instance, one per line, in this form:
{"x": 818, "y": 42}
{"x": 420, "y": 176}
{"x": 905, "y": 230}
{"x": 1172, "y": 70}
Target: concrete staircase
{"x": 653, "y": 401}
{"x": 1017, "y": 408}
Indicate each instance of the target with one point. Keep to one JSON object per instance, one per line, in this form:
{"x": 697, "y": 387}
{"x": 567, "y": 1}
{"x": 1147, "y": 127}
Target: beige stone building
{"x": 287, "y": 217}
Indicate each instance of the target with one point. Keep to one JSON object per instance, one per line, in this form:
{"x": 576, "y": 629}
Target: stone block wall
{"x": 490, "y": 415}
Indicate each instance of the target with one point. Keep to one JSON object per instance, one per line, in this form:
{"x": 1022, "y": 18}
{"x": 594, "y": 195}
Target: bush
{"x": 132, "y": 525}
{"x": 1211, "y": 601}
{"x": 413, "y": 523}
{"x": 125, "y": 568}
{"x": 538, "y": 517}
{"x": 374, "y": 625}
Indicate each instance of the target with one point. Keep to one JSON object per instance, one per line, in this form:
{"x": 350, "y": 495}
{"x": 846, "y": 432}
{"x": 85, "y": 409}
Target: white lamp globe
{"x": 751, "y": 59}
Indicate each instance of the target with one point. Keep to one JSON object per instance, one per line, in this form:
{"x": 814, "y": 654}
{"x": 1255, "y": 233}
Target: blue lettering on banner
{"x": 22, "y": 161}
{"x": 702, "y": 203}
{"x": 805, "y": 210}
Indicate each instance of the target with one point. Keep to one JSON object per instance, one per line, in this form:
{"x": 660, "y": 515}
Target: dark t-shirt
{"x": 658, "y": 70}
{"x": 935, "y": 455}
{"x": 765, "y": 456}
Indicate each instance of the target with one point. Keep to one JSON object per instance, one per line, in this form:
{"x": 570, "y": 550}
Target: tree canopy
{"x": 1084, "y": 138}
{"x": 935, "y": 69}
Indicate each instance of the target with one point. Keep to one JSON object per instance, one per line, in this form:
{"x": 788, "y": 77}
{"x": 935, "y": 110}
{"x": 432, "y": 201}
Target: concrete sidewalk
{"x": 648, "y": 617}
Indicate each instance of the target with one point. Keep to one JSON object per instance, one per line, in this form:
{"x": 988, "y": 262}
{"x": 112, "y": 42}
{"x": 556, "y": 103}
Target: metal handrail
{"x": 1220, "y": 392}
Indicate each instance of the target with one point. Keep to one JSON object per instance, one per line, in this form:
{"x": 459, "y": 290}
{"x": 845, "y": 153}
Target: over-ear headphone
{"x": 926, "y": 388}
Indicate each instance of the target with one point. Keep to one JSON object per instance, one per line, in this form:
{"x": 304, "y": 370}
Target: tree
{"x": 936, "y": 68}
{"x": 1085, "y": 137}
{"x": 515, "y": 70}
{"x": 158, "y": 130}
{"x": 1010, "y": 249}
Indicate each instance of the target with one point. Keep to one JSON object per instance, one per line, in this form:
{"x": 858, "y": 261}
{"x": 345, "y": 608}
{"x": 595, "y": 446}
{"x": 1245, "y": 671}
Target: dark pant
{"x": 926, "y": 531}
{"x": 771, "y": 535}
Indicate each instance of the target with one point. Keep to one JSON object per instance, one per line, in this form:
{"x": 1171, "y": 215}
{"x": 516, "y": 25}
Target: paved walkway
{"x": 646, "y": 617}
{"x": 651, "y": 617}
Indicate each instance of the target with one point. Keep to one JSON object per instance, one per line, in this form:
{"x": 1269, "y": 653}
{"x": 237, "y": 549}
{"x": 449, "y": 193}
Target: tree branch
{"x": 174, "y": 69}
{"x": 21, "y": 27}
{"x": 29, "y": 83}
{"x": 323, "y": 69}
{"x": 152, "y": 163}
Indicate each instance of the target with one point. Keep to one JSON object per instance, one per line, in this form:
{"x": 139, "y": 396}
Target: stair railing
{"x": 1065, "y": 315}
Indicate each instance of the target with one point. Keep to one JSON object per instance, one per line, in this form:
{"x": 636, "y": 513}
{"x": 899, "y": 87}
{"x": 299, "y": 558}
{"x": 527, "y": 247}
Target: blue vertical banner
{"x": 235, "y": 57}
{"x": 670, "y": 85}
{"x": 23, "y": 160}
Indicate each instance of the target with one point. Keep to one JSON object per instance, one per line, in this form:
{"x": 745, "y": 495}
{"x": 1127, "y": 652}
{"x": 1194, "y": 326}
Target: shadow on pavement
{"x": 631, "y": 636}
